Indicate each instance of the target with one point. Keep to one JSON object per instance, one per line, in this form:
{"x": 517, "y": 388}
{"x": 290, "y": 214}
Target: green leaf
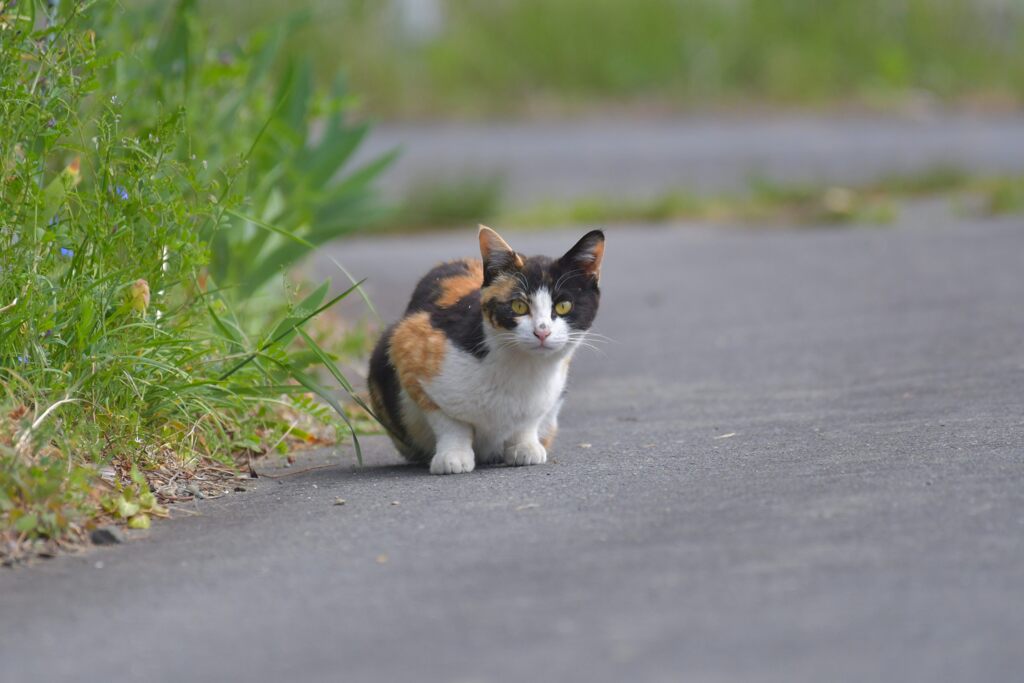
{"x": 266, "y": 346}
{"x": 86, "y": 316}
{"x": 23, "y": 16}
{"x": 53, "y": 199}
{"x": 140, "y": 521}
{"x": 333, "y": 151}
{"x": 26, "y": 523}
{"x": 126, "y": 508}
{"x": 138, "y": 477}
{"x": 284, "y": 331}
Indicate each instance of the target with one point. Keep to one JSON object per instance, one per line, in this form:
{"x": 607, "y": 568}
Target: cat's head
{"x": 537, "y": 304}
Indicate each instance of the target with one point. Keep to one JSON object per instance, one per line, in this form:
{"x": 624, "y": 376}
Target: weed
{"x": 129, "y": 347}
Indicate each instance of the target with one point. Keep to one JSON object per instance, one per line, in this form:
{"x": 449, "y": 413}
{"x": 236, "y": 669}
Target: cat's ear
{"x": 586, "y": 255}
{"x": 498, "y": 256}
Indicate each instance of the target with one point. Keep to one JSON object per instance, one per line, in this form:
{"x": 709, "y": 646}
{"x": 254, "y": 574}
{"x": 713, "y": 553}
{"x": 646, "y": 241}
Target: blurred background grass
{"x": 507, "y": 58}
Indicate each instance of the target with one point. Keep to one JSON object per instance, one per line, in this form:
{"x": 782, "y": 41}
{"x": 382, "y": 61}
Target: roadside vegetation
{"x": 769, "y": 203}
{"x": 154, "y": 187}
{"x": 515, "y": 57}
{"x": 455, "y": 203}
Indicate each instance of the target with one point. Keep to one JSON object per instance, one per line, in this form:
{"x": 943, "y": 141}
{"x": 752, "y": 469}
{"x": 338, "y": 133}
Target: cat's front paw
{"x": 452, "y": 461}
{"x": 525, "y": 453}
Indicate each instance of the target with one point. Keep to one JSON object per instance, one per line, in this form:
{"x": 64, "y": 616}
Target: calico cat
{"x": 475, "y": 371}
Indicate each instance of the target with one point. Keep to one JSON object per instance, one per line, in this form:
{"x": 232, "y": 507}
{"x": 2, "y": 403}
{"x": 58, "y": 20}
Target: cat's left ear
{"x": 586, "y": 255}
{"x": 497, "y": 255}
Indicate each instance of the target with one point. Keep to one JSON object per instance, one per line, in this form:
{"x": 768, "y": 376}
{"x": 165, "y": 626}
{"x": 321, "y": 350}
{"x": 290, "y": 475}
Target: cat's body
{"x": 475, "y": 371}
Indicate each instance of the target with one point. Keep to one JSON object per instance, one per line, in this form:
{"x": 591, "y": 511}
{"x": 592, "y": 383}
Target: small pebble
{"x": 382, "y": 559}
{"x": 339, "y": 501}
{"x": 106, "y": 535}
{"x": 395, "y": 502}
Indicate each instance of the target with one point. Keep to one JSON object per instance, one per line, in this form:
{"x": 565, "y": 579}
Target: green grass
{"x": 507, "y": 57}
{"x": 452, "y": 202}
{"x": 152, "y": 194}
{"x": 763, "y": 202}
{"x": 769, "y": 203}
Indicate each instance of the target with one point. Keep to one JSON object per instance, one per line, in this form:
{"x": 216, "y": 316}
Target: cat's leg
{"x": 549, "y": 425}
{"x": 525, "y": 448}
{"x": 488, "y": 448}
{"x": 454, "y": 453}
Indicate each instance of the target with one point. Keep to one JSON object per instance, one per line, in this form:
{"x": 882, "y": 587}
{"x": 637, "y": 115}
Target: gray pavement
{"x": 643, "y": 158}
{"x": 801, "y": 459}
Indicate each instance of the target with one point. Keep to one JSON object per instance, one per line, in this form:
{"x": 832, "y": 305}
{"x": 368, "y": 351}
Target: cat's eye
{"x": 519, "y": 307}
{"x": 563, "y": 307}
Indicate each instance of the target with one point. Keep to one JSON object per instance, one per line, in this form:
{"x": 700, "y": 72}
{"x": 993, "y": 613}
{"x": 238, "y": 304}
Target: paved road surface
{"x": 805, "y": 463}
{"x": 637, "y": 159}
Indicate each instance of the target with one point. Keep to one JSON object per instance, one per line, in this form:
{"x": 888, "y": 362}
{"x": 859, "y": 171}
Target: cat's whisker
{"x": 597, "y": 350}
{"x": 565, "y": 277}
{"x": 597, "y": 338}
{"x": 521, "y": 279}
{"x": 587, "y": 339}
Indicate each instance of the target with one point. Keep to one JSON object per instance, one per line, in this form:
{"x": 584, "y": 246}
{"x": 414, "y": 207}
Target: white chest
{"x": 499, "y": 392}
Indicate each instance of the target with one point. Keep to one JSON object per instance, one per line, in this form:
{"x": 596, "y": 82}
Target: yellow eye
{"x": 519, "y": 307}
{"x": 563, "y": 307}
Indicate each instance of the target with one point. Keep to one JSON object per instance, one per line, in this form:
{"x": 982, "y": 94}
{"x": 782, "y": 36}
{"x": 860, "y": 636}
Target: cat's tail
{"x": 385, "y": 399}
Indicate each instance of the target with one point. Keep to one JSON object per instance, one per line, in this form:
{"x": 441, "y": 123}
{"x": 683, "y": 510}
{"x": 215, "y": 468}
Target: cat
{"x": 475, "y": 371}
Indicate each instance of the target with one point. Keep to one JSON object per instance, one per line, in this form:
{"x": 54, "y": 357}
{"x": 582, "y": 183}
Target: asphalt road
{"x": 801, "y": 459}
{"x": 643, "y": 158}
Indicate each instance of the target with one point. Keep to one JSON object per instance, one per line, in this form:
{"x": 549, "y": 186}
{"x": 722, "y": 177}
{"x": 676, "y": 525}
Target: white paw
{"x": 526, "y": 453}
{"x": 452, "y": 462}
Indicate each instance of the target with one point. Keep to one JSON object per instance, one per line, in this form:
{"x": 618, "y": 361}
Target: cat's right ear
{"x": 497, "y": 255}
{"x": 586, "y": 255}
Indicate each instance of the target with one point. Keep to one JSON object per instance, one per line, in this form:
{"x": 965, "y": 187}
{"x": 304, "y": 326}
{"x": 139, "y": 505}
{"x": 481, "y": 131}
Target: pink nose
{"x": 542, "y": 334}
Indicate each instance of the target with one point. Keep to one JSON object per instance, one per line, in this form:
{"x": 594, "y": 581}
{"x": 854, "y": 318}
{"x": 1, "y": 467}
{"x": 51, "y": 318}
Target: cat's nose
{"x": 542, "y": 333}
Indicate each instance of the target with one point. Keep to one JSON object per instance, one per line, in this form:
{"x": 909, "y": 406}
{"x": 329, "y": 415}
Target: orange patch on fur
{"x": 458, "y": 286}
{"x": 549, "y": 438}
{"x": 417, "y": 351}
{"x": 499, "y": 290}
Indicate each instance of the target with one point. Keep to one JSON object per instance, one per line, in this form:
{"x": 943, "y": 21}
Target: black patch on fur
{"x": 581, "y": 289}
{"x": 501, "y": 314}
{"x": 428, "y": 290}
{"x": 463, "y": 324}
{"x": 499, "y": 262}
{"x": 384, "y": 375}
